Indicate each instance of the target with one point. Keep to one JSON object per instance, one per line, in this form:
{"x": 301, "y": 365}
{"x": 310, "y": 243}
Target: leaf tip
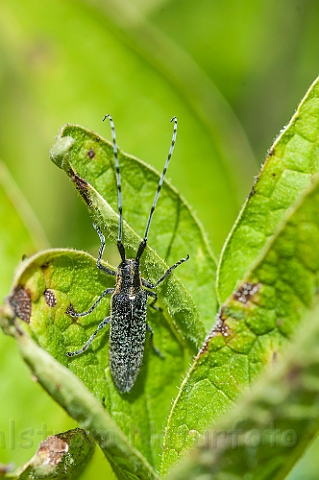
{"x": 60, "y": 149}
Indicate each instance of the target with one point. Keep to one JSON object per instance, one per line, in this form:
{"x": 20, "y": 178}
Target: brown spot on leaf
{"x": 20, "y": 301}
{"x": 81, "y": 186}
{"x": 45, "y": 266}
{"x": 205, "y": 346}
{"x": 50, "y": 298}
{"x": 6, "y": 468}
{"x": 220, "y": 327}
{"x": 246, "y": 291}
{"x": 51, "y": 451}
{"x": 91, "y": 153}
{"x": 252, "y": 192}
{"x": 271, "y": 152}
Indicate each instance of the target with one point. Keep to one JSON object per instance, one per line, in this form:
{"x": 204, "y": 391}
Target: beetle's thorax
{"x": 128, "y": 278}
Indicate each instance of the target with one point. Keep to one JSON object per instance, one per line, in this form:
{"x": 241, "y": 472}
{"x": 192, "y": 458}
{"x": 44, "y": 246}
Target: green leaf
{"x": 73, "y": 396}
{"x": 270, "y": 428}
{"x": 20, "y": 235}
{"x": 44, "y": 287}
{"x": 253, "y": 326}
{"x": 63, "y": 456}
{"x": 89, "y": 161}
{"x": 46, "y": 284}
{"x": 288, "y": 170}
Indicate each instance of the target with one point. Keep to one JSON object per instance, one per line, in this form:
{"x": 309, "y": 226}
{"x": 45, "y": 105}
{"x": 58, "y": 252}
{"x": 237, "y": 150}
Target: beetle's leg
{"x": 154, "y": 285}
{"x": 70, "y": 310}
{"x": 156, "y": 350}
{"x": 99, "y": 265}
{"x": 90, "y": 340}
{"x": 152, "y": 304}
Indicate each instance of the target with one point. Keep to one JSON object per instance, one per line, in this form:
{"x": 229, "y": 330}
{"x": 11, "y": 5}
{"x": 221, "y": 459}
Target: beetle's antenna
{"x": 143, "y": 243}
{"x": 120, "y": 245}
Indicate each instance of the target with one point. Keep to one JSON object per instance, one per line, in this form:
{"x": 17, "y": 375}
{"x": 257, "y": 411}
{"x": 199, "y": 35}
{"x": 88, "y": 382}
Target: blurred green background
{"x": 232, "y": 72}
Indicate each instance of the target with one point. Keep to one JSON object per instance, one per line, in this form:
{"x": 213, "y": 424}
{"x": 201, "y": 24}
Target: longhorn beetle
{"x": 127, "y": 318}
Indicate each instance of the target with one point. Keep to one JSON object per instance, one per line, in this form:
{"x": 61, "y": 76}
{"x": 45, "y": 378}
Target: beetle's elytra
{"x": 128, "y": 308}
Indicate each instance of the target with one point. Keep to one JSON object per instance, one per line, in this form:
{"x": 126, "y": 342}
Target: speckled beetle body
{"x": 128, "y": 311}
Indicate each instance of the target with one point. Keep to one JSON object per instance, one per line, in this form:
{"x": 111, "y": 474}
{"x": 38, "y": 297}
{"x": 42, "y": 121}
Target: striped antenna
{"x": 143, "y": 243}
{"x": 120, "y": 245}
